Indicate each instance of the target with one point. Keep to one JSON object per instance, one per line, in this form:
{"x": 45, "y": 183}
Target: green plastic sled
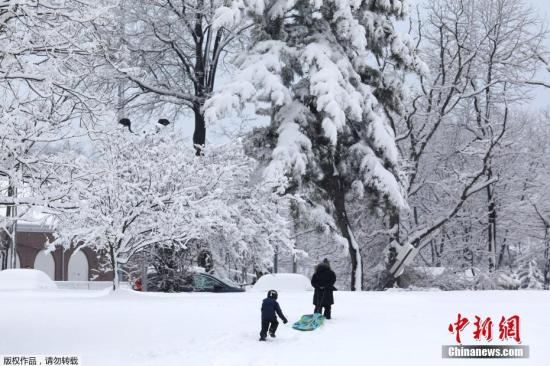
{"x": 309, "y": 322}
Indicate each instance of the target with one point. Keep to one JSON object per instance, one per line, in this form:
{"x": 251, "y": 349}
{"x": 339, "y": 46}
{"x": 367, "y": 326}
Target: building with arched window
{"x": 60, "y": 264}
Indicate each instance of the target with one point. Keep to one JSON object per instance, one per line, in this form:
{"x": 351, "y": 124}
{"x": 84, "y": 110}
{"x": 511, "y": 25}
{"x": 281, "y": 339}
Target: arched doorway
{"x": 45, "y": 262}
{"x": 78, "y": 267}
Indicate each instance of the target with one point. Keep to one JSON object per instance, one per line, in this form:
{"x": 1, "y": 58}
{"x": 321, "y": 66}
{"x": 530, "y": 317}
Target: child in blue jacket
{"x": 270, "y": 310}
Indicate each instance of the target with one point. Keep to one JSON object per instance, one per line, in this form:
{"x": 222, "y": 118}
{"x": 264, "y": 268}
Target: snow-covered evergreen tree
{"x": 328, "y": 72}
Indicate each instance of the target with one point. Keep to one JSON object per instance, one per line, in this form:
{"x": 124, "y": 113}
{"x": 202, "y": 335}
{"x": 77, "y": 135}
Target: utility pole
{"x": 144, "y": 264}
{"x": 14, "y": 245}
{"x": 11, "y": 211}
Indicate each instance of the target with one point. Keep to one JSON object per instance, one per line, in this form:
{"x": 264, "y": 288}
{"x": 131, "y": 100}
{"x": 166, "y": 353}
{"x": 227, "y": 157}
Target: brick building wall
{"x": 30, "y": 242}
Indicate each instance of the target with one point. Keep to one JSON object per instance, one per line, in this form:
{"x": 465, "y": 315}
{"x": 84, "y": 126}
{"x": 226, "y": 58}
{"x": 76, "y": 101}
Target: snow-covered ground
{"x": 370, "y": 328}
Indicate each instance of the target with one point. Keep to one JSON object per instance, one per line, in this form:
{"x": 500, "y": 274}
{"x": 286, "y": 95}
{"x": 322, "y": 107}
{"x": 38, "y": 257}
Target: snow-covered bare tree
{"x": 137, "y": 192}
{"x": 44, "y": 46}
{"x": 169, "y": 54}
{"x": 457, "y": 127}
{"x": 525, "y": 213}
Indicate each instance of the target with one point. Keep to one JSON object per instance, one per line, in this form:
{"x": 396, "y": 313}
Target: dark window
{"x": 205, "y": 282}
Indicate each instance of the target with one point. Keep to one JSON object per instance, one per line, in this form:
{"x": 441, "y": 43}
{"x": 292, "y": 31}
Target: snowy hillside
{"x": 380, "y": 328}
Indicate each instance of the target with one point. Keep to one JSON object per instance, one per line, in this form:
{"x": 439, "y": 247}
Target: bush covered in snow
{"x": 448, "y": 279}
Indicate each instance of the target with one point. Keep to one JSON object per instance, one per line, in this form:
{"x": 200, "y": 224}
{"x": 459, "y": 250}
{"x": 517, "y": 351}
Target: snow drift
{"x": 25, "y": 279}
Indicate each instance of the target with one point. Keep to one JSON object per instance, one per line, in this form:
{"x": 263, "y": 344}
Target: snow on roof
{"x": 35, "y": 220}
{"x": 24, "y": 226}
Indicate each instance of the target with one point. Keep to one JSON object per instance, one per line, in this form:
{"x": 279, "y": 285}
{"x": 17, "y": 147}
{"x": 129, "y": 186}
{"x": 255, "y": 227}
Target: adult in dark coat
{"x": 323, "y": 282}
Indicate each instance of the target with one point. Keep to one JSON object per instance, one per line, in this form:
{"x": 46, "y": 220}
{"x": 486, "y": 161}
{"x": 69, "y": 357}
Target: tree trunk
{"x": 9, "y": 237}
{"x": 547, "y": 259}
{"x": 11, "y": 212}
{"x": 339, "y": 201}
{"x": 5, "y": 246}
{"x": 276, "y": 260}
{"x": 114, "y": 265}
{"x": 503, "y": 248}
{"x": 199, "y": 135}
{"x": 441, "y": 248}
{"x": 491, "y": 223}
{"x": 394, "y": 225}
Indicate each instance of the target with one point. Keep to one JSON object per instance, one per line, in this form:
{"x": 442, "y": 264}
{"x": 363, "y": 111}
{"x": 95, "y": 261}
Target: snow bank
{"x": 283, "y": 282}
{"x": 88, "y": 285}
{"x": 25, "y": 279}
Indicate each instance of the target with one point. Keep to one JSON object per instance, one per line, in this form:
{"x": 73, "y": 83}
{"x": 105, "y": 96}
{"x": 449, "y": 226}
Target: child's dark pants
{"x": 268, "y": 325}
